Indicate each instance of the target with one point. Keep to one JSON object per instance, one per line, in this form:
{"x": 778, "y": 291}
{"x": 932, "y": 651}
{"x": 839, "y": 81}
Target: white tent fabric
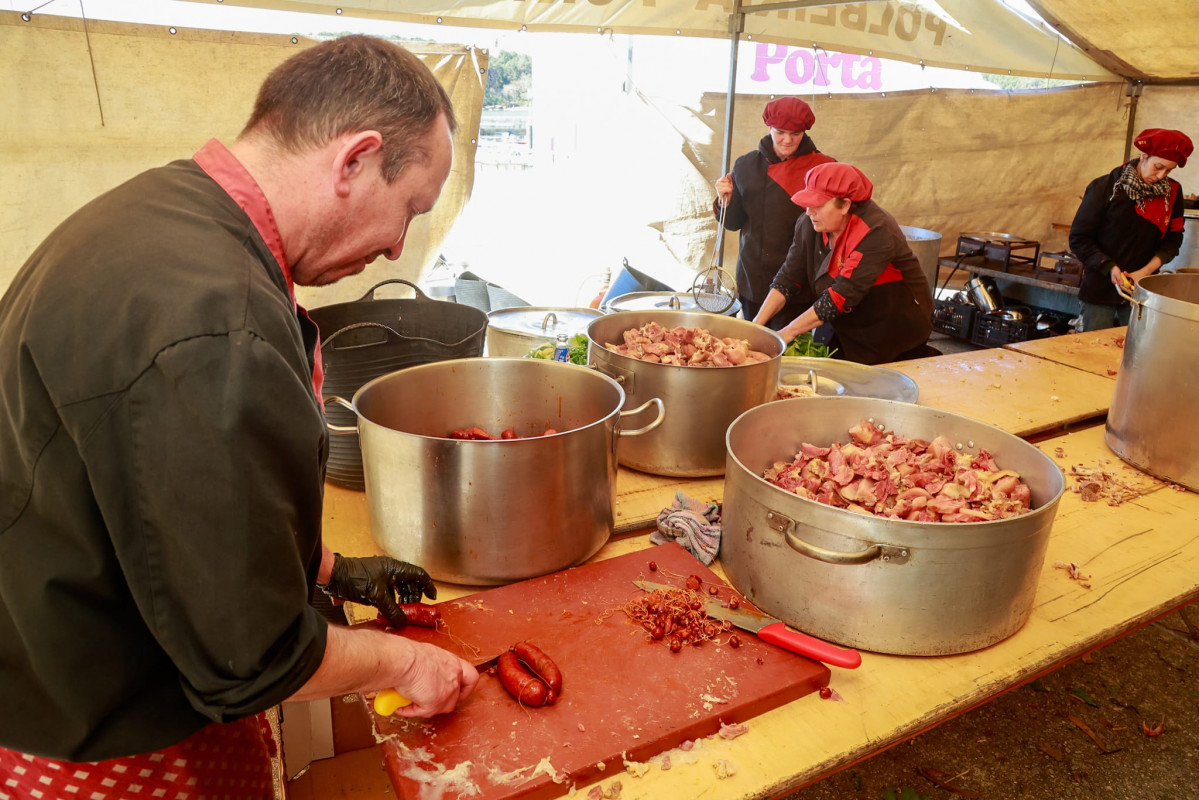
{"x": 1146, "y": 41}
{"x": 980, "y": 35}
{"x": 87, "y": 107}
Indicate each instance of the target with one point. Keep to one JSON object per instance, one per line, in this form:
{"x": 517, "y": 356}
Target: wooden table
{"x": 1020, "y": 393}
{"x": 1097, "y": 352}
{"x": 1141, "y": 559}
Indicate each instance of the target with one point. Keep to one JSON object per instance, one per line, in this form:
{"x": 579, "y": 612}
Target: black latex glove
{"x": 376, "y": 580}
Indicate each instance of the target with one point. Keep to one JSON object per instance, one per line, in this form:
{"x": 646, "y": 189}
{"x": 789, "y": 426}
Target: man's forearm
{"x": 357, "y": 660}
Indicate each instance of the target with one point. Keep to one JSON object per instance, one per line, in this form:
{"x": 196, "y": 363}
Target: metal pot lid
{"x": 542, "y": 322}
{"x": 654, "y": 301}
{"x": 836, "y": 377}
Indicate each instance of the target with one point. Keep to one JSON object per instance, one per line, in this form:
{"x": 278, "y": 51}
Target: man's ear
{"x": 353, "y": 157}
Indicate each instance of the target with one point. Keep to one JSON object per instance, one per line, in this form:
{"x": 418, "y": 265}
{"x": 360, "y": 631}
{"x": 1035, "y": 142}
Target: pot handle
{"x": 325, "y": 342}
{"x": 370, "y": 293}
{"x": 661, "y": 415}
{"x": 1126, "y": 294}
{"x": 341, "y": 429}
{"x": 882, "y": 552}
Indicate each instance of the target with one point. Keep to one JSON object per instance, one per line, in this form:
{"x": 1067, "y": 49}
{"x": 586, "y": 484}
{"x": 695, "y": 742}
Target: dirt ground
{"x": 1121, "y": 723}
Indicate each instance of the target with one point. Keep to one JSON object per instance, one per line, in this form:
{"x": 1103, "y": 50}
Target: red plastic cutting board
{"x": 624, "y": 696}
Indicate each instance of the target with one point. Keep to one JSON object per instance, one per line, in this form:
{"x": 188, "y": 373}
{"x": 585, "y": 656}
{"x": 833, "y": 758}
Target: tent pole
{"x": 736, "y": 25}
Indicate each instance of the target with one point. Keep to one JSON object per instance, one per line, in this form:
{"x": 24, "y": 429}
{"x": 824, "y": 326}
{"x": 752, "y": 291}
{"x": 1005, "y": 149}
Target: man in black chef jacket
{"x": 162, "y": 445}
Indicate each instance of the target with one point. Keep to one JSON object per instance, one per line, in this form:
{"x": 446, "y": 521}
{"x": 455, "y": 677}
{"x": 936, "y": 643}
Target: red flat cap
{"x": 788, "y": 114}
{"x": 834, "y": 179}
{"x": 1164, "y": 143}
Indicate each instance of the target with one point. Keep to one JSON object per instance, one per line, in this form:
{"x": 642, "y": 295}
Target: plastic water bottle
{"x": 562, "y": 348}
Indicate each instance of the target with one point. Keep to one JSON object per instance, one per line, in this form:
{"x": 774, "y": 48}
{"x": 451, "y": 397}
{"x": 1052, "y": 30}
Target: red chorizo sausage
{"x": 540, "y": 665}
{"x": 526, "y": 688}
{"x": 421, "y": 615}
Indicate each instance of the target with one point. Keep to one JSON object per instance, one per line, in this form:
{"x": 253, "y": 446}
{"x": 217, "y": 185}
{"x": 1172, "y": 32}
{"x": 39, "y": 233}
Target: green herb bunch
{"x": 806, "y": 346}
{"x": 577, "y": 352}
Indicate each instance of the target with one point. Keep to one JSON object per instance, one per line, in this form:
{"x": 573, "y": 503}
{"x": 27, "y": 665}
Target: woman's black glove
{"x": 376, "y": 580}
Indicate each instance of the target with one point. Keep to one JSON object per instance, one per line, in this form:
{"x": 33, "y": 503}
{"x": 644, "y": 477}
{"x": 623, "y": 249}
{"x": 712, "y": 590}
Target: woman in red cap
{"x": 757, "y": 196}
{"x": 1128, "y": 225}
{"x": 851, "y": 266}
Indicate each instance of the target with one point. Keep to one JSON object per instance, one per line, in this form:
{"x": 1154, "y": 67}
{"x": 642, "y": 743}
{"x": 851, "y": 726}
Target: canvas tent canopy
{"x": 93, "y": 103}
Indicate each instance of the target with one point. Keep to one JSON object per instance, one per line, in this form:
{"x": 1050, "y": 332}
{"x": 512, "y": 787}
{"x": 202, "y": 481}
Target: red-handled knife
{"x": 773, "y": 631}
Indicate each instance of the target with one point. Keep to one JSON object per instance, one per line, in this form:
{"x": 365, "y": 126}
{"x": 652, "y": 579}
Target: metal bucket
{"x": 984, "y": 293}
{"x": 700, "y": 401}
{"x": 890, "y": 586}
{"x": 369, "y": 337}
{"x": 491, "y": 512}
{"x": 1151, "y": 422}
{"x": 926, "y": 245}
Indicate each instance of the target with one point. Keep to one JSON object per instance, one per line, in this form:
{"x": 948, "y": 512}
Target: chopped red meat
{"x": 690, "y": 347}
{"x": 888, "y": 475}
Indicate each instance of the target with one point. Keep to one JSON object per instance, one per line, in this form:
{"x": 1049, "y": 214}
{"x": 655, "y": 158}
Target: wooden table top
{"x": 1140, "y": 560}
{"x": 1097, "y": 352}
{"x": 1022, "y": 394}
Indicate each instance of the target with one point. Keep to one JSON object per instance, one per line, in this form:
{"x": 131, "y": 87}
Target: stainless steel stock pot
{"x": 492, "y": 512}
{"x": 891, "y": 586}
{"x": 700, "y": 401}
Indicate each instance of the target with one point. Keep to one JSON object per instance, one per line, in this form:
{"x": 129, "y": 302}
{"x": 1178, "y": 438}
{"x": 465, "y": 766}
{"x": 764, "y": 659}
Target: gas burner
{"x": 1061, "y": 267}
{"x": 1000, "y": 251}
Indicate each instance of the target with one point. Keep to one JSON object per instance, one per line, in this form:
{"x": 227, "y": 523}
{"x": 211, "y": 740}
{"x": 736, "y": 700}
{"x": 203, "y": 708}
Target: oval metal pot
{"x": 700, "y": 401}
{"x": 1150, "y": 422}
{"x": 491, "y": 512}
{"x": 890, "y": 586}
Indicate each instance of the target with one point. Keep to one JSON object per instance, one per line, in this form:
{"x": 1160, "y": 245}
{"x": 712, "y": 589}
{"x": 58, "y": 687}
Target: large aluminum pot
{"x": 700, "y": 401}
{"x": 516, "y": 331}
{"x": 491, "y": 512}
{"x": 891, "y": 586}
{"x": 1151, "y": 423}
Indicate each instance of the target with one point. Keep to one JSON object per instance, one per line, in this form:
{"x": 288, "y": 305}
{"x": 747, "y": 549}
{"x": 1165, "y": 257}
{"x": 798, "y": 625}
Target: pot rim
{"x": 599, "y": 346}
{"x": 840, "y": 514}
{"x": 489, "y": 362}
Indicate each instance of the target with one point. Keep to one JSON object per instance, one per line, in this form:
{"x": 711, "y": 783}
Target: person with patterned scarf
{"x": 1129, "y": 224}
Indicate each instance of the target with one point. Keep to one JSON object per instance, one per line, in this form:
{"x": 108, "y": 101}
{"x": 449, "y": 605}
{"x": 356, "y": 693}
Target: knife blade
{"x": 773, "y": 631}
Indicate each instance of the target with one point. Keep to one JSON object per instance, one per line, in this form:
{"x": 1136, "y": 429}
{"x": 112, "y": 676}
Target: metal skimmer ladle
{"x": 714, "y": 288}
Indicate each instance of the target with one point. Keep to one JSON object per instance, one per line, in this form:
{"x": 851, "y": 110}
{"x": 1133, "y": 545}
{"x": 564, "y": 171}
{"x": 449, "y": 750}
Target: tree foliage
{"x": 509, "y": 77}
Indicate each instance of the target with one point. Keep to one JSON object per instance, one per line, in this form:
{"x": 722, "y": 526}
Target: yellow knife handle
{"x": 388, "y": 700}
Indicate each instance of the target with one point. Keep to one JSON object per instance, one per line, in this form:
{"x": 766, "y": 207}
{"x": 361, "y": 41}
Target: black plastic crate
{"x": 954, "y": 319}
{"x": 995, "y": 331}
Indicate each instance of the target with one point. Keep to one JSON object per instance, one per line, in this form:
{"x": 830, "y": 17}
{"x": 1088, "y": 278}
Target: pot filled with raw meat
{"x": 886, "y": 526}
{"x": 492, "y": 470}
{"x": 707, "y": 369}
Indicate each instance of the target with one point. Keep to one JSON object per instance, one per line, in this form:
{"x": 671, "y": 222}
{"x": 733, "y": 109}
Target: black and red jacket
{"x": 1111, "y": 231}
{"x": 868, "y": 284}
{"x": 761, "y": 208}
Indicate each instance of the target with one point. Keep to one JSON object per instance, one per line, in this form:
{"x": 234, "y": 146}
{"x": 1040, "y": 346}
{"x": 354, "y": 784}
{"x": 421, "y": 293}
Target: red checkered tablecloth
{"x": 230, "y": 761}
